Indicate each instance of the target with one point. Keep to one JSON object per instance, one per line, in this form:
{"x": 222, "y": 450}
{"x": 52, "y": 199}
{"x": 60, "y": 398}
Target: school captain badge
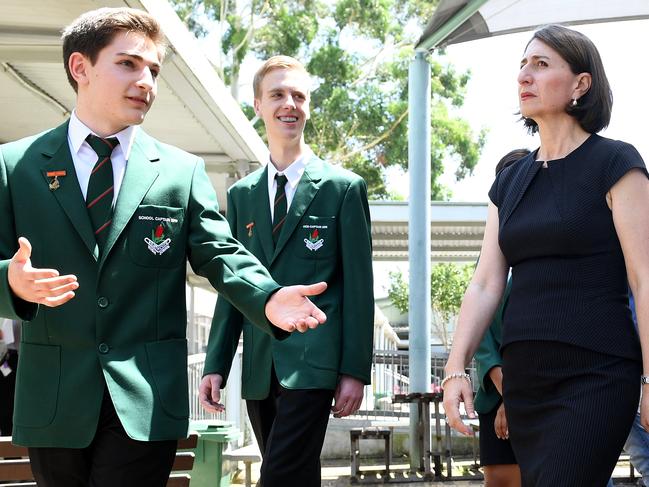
{"x": 314, "y": 242}
{"x": 158, "y": 244}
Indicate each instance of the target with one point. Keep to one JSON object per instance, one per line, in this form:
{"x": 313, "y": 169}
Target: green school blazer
{"x": 326, "y": 237}
{"x": 125, "y": 328}
{"x": 488, "y": 356}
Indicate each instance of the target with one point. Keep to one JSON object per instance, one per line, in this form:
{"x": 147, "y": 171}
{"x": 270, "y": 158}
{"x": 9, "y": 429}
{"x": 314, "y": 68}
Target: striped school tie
{"x": 99, "y": 197}
{"x": 279, "y": 211}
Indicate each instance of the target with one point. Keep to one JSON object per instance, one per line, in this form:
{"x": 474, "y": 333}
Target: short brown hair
{"x": 275, "y": 62}
{"x": 510, "y": 158}
{"x": 94, "y": 30}
{"x": 593, "y": 110}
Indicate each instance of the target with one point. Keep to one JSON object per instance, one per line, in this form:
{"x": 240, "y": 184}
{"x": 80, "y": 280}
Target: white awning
{"x": 457, "y": 21}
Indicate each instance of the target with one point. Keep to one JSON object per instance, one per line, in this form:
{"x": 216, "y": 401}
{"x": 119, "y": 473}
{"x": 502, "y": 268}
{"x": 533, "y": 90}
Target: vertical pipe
{"x": 419, "y": 314}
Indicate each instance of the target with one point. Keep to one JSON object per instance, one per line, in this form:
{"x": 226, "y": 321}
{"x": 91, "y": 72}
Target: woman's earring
{"x": 574, "y": 102}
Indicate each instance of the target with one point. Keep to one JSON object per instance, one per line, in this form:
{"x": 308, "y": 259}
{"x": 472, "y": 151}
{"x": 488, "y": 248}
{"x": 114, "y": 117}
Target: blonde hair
{"x": 275, "y": 62}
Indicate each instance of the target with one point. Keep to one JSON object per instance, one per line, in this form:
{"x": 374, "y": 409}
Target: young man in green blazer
{"x": 320, "y": 231}
{"x": 97, "y": 273}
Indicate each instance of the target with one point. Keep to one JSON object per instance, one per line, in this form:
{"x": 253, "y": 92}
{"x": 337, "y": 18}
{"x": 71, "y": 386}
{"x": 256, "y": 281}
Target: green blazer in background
{"x": 326, "y": 237}
{"x": 126, "y": 325}
{"x": 488, "y": 356}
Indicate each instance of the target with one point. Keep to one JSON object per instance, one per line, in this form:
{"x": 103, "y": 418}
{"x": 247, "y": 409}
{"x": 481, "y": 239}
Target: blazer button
{"x": 102, "y": 302}
{"x": 103, "y": 348}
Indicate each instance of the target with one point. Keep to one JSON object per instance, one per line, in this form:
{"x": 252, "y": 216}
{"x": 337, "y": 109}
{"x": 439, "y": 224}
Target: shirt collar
{"x": 78, "y": 131}
{"x": 293, "y": 172}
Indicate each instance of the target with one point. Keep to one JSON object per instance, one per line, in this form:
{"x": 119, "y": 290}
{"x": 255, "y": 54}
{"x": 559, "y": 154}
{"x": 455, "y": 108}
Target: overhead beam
{"x": 429, "y": 43}
{"x": 29, "y": 45}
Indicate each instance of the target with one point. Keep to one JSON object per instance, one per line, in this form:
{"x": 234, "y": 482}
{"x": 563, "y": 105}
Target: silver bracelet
{"x": 644, "y": 379}
{"x": 456, "y": 375}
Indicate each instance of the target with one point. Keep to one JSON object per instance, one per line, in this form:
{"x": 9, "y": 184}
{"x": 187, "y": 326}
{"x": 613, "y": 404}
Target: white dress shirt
{"x": 84, "y": 157}
{"x": 293, "y": 174}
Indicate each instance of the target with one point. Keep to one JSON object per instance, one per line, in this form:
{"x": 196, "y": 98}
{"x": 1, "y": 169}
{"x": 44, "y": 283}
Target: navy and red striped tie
{"x": 279, "y": 209}
{"x": 99, "y": 197}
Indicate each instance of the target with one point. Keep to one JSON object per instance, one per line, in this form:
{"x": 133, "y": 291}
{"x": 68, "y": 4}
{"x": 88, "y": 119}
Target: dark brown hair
{"x": 94, "y": 30}
{"x": 510, "y": 158}
{"x": 593, "y": 109}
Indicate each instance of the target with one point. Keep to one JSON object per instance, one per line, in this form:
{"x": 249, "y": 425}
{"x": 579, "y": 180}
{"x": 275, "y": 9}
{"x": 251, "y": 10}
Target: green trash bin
{"x": 213, "y": 437}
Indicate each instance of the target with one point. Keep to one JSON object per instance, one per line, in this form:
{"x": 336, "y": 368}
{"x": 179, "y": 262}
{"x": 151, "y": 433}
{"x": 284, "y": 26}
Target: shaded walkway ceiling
{"x": 456, "y": 231}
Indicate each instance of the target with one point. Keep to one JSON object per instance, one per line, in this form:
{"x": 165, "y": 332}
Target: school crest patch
{"x": 314, "y": 242}
{"x": 159, "y": 243}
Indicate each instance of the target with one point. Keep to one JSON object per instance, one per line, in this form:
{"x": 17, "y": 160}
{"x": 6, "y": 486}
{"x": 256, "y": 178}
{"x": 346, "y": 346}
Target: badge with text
{"x": 314, "y": 242}
{"x": 158, "y": 243}
{"x": 54, "y": 182}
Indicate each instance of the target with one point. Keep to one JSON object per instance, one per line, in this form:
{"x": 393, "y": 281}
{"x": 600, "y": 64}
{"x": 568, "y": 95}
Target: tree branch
{"x": 374, "y": 61}
{"x": 378, "y": 140}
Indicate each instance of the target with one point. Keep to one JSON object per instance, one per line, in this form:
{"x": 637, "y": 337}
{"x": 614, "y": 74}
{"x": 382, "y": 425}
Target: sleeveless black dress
{"x": 571, "y": 355}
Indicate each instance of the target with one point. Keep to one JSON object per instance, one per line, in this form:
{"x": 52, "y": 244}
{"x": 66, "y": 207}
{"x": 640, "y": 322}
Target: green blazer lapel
{"x": 139, "y": 176}
{"x": 263, "y": 228}
{"x": 306, "y": 191}
{"x": 68, "y": 193}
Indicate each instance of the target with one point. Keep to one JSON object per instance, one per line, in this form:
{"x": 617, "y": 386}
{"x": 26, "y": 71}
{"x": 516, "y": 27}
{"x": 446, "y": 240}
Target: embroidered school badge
{"x": 314, "y": 242}
{"x": 158, "y": 244}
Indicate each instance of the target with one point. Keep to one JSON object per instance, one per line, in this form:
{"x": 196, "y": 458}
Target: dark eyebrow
{"x": 536, "y": 56}
{"x": 138, "y": 57}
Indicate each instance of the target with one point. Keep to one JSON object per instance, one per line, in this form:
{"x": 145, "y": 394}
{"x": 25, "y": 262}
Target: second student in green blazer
{"x": 307, "y": 221}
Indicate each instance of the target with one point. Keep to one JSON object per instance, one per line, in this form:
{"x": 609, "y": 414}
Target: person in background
{"x": 9, "y": 342}
{"x": 565, "y": 219}
{"x": 320, "y": 231}
{"x": 496, "y": 456}
{"x": 637, "y": 443}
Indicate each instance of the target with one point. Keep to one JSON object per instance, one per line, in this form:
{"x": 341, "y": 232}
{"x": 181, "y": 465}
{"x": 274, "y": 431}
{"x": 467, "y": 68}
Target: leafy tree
{"x": 448, "y": 285}
{"x": 359, "y": 51}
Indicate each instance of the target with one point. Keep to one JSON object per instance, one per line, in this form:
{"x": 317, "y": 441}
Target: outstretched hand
{"x": 290, "y": 309}
{"x": 41, "y": 286}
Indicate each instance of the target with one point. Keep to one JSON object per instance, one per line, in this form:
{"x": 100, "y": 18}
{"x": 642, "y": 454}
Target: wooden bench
{"x": 14, "y": 464}
{"x": 248, "y": 455}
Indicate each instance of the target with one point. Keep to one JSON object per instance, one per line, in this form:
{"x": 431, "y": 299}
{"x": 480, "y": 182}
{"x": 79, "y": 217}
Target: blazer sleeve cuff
{"x": 11, "y": 306}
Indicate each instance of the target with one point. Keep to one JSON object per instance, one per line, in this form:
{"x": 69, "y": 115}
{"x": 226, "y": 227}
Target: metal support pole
{"x": 419, "y": 239}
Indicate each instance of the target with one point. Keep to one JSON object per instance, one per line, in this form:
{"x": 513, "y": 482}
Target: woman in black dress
{"x": 572, "y": 221}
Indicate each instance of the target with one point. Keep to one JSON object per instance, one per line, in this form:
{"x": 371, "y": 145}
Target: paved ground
{"x": 336, "y": 474}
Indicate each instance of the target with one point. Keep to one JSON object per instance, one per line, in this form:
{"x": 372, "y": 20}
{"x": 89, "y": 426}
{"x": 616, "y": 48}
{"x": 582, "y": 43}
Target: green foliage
{"x": 448, "y": 284}
{"x": 359, "y": 51}
{"x": 398, "y": 291}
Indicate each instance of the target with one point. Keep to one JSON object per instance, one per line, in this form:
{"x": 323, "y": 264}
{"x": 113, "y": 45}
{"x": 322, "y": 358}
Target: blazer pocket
{"x": 168, "y": 364}
{"x": 156, "y": 236}
{"x": 39, "y": 373}
{"x": 322, "y": 347}
{"x": 317, "y": 237}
